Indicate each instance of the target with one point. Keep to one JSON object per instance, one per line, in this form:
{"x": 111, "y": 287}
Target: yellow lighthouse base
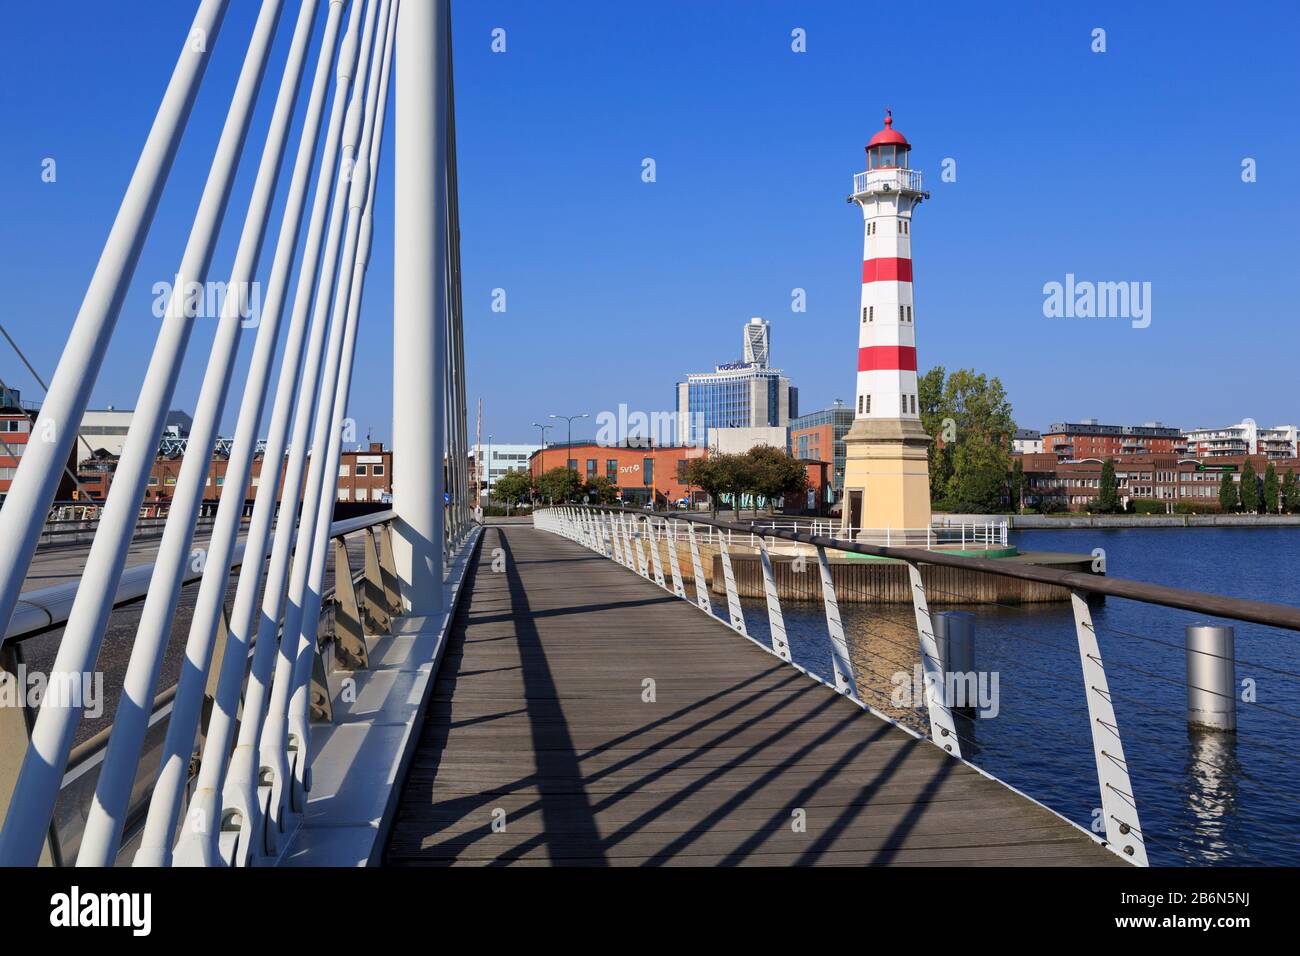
{"x": 887, "y": 480}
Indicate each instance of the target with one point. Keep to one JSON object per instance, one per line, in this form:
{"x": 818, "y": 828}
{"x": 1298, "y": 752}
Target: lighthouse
{"x": 886, "y": 474}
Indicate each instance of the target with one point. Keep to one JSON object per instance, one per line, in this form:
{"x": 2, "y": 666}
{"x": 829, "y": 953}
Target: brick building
{"x": 639, "y": 472}
{"x": 1088, "y": 439}
{"x": 1170, "y": 479}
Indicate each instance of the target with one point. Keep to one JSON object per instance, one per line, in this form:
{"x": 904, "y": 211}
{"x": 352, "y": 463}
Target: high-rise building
{"x": 757, "y": 342}
{"x": 886, "y": 478}
{"x": 745, "y": 394}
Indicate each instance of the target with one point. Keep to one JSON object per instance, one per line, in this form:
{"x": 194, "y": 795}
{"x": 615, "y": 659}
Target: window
{"x": 868, "y": 404}
{"x": 361, "y": 494}
{"x": 901, "y": 314}
{"x": 913, "y": 404}
{"x": 591, "y": 468}
{"x": 344, "y": 471}
{"x": 648, "y": 470}
{"x": 871, "y": 313}
{"x": 343, "y": 494}
{"x": 859, "y": 404}
{"x": 573, "y": 464}
{"x": 361, "y": 471}
{"x": 909, "y": 313}
{"x": 864, "y": 313}
{"x": 900, "y": 227}
{"x": 377, "y": 470}
{"x": 611, "y": 470}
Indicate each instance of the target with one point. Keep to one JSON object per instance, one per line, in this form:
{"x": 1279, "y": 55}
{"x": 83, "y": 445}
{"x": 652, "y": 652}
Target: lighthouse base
{"x": 887, "y": 479}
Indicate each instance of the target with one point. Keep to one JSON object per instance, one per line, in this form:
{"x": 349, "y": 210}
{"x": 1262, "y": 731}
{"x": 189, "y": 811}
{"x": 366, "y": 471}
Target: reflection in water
{"x": 1212, "y": 773}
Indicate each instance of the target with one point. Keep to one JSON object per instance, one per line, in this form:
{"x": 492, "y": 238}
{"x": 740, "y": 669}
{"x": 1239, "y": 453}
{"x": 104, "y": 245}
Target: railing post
{"x": 729, "y": 580}
{"x": 697, "y": 569}
{"x": 377, "y": 608}
{"x": 1118, "y": 804}
{"x": 615, "y": 544}
{"x": 349, "y": 635}
{"x": 775, "y": 620}
{"x": 674, "y": 563}
{"x": 844, "y": 682}
{"x": 943, "y": 729}
{"x": 641, "y": 567}
{"x": 656, "y": 562}
{"x": 388, "y": 569}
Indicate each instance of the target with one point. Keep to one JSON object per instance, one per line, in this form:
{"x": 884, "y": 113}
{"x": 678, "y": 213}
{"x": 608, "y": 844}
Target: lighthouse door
{"x": 853, "y": 513}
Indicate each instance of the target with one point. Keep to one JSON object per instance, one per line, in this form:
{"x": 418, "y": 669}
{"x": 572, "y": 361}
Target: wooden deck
{"x": 538, "y": 748}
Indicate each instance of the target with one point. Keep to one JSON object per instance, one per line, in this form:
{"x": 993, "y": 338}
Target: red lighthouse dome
{"x": 888, "y": 148}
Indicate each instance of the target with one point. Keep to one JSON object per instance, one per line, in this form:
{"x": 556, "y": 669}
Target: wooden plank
{"x": 540, "y": 745}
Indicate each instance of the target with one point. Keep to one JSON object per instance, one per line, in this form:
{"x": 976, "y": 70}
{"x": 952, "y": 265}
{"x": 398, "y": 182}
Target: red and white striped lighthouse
{"x": 886, "y": 475}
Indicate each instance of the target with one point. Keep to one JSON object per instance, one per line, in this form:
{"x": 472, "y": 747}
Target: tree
{"x": 1227, "y": 493}
{"x": 969, "y": 417}
{"x": 513, "y": 487}
{"x": 979, "y": 478}
{"x": 1249, "y": 489}
{"x": 775, "y": 474}
{"x": 560, "y": 484}
{"x": 1018, "y": 484}
{"x": 1290, "y": 493}
{"x": 705, "y": 473}
{"x": 601, "y": 490}
{"x": 1107, "y": 501}
{"x": 1271, "y": 489}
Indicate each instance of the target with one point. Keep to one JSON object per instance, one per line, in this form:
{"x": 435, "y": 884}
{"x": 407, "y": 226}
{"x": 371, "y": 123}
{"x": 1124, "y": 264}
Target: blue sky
{"x": 1115, "y": 166}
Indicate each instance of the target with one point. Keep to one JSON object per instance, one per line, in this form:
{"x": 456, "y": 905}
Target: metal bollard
{"x": 1211, "y": 677}
{"x": 954, "y": 633}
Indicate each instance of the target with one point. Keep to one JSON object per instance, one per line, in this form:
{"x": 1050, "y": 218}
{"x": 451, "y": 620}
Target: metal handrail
{"x": 620, "y": 534}
{"x": 44, "y": 609}
{"x": 1238, "y": 609}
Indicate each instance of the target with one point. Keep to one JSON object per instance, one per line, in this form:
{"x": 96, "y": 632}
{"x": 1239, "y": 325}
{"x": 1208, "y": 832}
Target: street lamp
{"x": 541, "y": 457}
{"x": 488, "y": 474}
{"x": 569, "y": 419}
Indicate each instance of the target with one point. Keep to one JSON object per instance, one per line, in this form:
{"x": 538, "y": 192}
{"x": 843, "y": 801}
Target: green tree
{"x": 970, "y": 418}
{"x": 705, "y": 474}
{"x": 1108, "y": 496}
{"x": 1290, "y": 493}
{"x": 1227, "y": 493}
{"x": 1018, "y": 484}
{"x": 512, "y": 487}
{"x": 775, "y": 474}
{"x": 1249, "y": 489}
{"x": 979, "y": 478}
{"x": 1271, "y": 489}
{"x": 601, "y": 490}
{"x": 559, "y": 485}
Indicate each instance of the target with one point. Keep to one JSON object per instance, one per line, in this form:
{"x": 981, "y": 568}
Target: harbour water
{"x": 1203, "y": 797}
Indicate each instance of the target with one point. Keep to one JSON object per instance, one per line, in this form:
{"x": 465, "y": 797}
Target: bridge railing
{"x": 361, "y": 601}
{"x": 941, "y": 644}
{"x": 255, "y": 741}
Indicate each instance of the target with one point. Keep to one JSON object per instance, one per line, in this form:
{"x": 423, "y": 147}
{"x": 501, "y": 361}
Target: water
{"x": 1227, "y": 799}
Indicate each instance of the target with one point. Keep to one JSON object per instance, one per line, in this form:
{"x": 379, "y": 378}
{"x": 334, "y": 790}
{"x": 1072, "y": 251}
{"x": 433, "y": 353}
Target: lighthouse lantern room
{"x": 886, "y": 479}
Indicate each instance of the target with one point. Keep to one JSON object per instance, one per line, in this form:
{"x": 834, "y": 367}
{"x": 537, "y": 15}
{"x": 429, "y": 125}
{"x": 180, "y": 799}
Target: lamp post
{"x": 569, "y": 419}
{"x": 541, "y": 459}
{"x": 488, "y": 472}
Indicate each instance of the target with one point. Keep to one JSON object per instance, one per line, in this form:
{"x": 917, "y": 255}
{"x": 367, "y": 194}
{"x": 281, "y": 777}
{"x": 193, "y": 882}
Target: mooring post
{"x": 954, "y": 633}
{"x": 1211, "y": 677}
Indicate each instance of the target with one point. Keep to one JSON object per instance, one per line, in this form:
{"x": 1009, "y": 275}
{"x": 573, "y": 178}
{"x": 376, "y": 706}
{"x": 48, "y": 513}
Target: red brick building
{"x": 1079, "y": 440}
{"x": 639, "y": 473}
{"x": 1170, "y": 479}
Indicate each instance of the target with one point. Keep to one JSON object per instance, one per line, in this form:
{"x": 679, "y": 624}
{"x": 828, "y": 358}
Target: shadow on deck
{"x": 544, "y": 745}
